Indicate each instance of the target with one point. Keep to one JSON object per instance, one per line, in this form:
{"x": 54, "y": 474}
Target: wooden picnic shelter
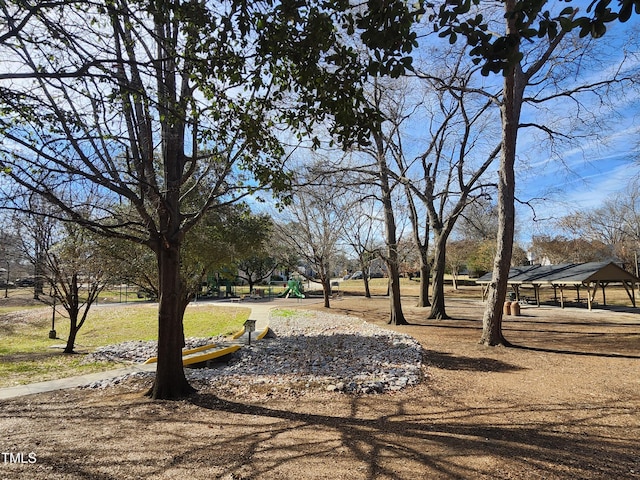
{"x": 591, "y": 276}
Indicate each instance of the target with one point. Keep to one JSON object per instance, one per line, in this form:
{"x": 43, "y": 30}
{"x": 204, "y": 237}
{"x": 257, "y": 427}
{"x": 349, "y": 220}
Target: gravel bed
{"x": 138, "y": 351}
{"x": 306, "y": 350}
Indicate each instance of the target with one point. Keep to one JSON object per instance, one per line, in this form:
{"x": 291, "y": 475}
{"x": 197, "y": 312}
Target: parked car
{"x": 357, "y": 275}
{"x": 25, "y": 282}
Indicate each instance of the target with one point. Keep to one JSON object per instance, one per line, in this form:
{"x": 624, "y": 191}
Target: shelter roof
{"x": 566, "y": 274}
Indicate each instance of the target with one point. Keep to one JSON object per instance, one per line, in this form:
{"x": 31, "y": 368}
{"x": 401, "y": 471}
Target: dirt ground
{"x": 564, "y": 403}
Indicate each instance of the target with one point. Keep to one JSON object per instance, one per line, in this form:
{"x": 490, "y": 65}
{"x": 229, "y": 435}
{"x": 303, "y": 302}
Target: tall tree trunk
{"x": 510, "y": 111}
{"x": 396, "y": 316}
{"x": 367, "y": 288}
{"x": 73, "y": 333}
{"x": 492, "y": 319}
{"x": 72, "y": 298}
{"x": 422, "y": 244}
{"x": 170, "y": 382}
{"x": 437, "y": 300}
{"x": 38, "y": 284}
{"x": 425, "y": 273}
{"x": 184, "y": 303}
{"x": 326, "y": 290}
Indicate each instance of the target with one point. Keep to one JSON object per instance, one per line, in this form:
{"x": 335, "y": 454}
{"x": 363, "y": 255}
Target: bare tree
{"x": 450, "y": 172}
{"x": 77, "y": 274}
{"x": 559, "y": 249}
{"x": 523, "y": 51}
{"x": 458, "y": 254}
{"x": 528, "y": 72}
{"x": 394, "y": 101}
{"x": 70, "y": 263}
{"x": 374, "y": 169}
{"x": 615, "y": 225}
{"x": 478, "y": 221}
{"x": 380, "y": 153}
{"x": 311, "y": 227}
{"x": 256, "y": 268}
{"x": 361, "y": 232}
{"x": 453, "y": 133}
{"x": 365, "y": 174}
{"x": 11, "y": 256}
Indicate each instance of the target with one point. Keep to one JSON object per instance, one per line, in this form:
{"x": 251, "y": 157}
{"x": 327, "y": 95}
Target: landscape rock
{"x": 307, "y": 350}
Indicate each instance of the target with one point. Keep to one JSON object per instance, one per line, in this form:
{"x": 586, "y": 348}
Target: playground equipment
{"x": 294, "y": 289}
{"x": 204, "y": 353}
{"x": 219, "y": 287}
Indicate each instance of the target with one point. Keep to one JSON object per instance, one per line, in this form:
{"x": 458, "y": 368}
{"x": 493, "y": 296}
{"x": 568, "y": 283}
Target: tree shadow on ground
{"x": 448, "y": 361}
{"x": 432, "y": 444}
{"x": 573, "y": 352}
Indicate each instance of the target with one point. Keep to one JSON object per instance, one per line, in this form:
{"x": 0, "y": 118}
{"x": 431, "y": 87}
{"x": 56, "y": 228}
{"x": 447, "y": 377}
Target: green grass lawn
{"x": 27, "y": 354}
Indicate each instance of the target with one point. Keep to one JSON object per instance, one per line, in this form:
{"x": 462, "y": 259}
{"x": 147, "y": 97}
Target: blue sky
{"x": 584, "y": 178}
{"x": 583, "y": 175}
{"x": 597, "y": 162}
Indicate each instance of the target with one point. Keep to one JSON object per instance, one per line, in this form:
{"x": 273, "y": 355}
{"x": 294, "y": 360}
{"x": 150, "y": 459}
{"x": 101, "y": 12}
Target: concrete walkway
{"x": 71, "y": 382}
{"x": 260, "y": 311}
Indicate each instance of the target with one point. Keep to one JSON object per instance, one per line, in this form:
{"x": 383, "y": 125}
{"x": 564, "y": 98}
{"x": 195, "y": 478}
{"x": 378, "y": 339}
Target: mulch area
{"x": 564, "y": 403}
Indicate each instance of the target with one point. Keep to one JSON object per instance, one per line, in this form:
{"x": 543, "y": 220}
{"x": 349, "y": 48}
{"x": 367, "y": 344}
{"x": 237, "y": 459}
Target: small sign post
{"x": 249, "y": 326}
{"x": 52, "y": 333}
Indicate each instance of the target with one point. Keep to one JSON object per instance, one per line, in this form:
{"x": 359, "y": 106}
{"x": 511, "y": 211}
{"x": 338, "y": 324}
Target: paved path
{"x": 260, "y": 311}
{"x": 71, "y": 382}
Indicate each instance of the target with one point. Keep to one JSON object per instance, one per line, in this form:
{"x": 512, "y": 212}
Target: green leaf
{"x": 625, "y": 11}
{"x": 566, "y": 24}
{"x": 598, "y": 29}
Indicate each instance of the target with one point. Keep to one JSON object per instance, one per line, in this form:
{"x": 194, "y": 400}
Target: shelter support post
{"x": 603, "y": 286}
{"x": 592, "y": 296}
{"x": 631, "y": 291}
